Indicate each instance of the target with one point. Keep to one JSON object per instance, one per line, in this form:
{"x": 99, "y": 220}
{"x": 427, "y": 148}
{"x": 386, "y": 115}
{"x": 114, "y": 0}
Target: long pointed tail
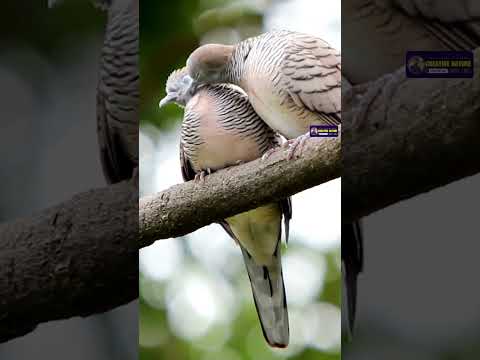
{"x": 352, "y": 259}
{"x": 269, "y": 296}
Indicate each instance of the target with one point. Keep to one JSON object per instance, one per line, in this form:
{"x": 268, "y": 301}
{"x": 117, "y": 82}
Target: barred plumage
{"x": 292, "y": 80}
{"x": 387, "y": 29}
{"x": 221, "y": 115}
{"x": 220, "y": 128}
{"x": 118, "y": 91}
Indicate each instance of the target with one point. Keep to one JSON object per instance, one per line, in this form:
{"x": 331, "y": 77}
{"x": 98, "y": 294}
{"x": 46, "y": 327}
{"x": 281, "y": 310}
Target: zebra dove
{"x": 220, "y": 128}
{"x": 292, "y": 80}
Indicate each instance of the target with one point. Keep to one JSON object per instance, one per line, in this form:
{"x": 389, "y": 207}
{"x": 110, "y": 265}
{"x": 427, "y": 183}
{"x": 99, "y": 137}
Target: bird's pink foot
{"x": 295, "y": 146}
{"x": 268, "y": 153}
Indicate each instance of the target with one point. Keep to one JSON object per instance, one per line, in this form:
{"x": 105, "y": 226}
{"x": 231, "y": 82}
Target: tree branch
{"x": 403, "y": 137}
{"x": 75, "y": 259}
{"x": 186, "y": 207}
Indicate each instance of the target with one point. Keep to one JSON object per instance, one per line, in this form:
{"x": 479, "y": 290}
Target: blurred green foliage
{"x": 170, "y": 31}
{"x": 158, "y": 341}
{"x": 166, "y": 39}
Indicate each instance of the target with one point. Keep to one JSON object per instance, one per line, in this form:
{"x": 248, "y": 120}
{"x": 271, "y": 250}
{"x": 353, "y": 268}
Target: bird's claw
{"x": 268, "y": 153}
{"x": 200, "y": 176}
{"x": 197, "y": 177}
{"x": 295, "y": 146}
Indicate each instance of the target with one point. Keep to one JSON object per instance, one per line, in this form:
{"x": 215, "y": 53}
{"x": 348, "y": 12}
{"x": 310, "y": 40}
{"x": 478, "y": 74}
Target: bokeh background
{"x": 195, "y": 298}
{"x": 48, "y": 141}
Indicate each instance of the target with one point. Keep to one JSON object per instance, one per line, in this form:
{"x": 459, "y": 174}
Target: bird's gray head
{"x": 208, "y": 63}
{"x": 179, "y": 88}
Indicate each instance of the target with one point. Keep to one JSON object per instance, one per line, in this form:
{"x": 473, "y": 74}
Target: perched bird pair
{"x": 290, "y": 81}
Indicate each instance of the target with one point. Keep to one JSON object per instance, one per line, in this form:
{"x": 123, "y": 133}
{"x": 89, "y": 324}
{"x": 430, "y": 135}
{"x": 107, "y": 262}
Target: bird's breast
{"x": 221, "y": 148}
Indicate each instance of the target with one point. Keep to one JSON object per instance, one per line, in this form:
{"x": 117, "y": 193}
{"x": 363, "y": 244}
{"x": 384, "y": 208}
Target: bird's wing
{"x": 116, "y": 162}
{"x": 445, "y": 11}
{"x": 379, "y": 33}
{"x": 311, "y": 73}
{"x": 456, "y": 24}
{"x": 118, "y": 94}
{"x": 455, "y": 36}
{"x": 185, "y": 165}
{"x": 352, "y": 259}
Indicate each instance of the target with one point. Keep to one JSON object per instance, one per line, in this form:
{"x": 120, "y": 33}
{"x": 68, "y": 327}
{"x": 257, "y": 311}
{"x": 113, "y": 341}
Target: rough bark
{"x": 186, "y": 207}
{"x": 75, "y": 259}
{"x": 402, "y": 137}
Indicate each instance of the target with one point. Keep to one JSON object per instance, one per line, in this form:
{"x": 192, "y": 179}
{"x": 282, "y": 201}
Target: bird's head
{"x": 179, "y": 88}
{"x": 208, "y": 63}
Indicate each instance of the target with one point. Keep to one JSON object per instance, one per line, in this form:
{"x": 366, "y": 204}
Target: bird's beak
{"x": 166, "y": 100}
